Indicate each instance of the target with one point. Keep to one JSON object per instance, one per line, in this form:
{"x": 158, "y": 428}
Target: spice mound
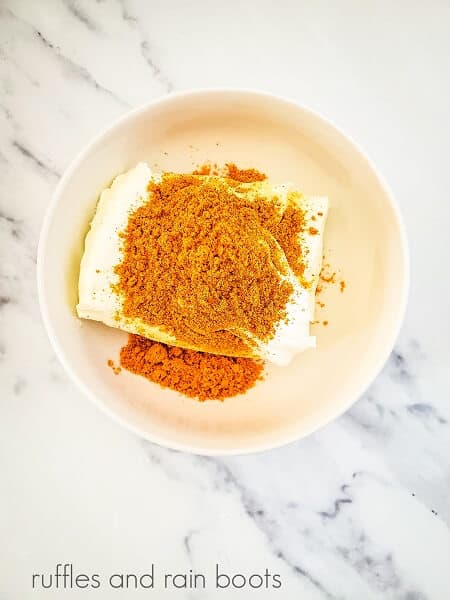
{"x": 221, "y": 262}
{"x": 195, "y": 374}
{"x": 200, "y": 261}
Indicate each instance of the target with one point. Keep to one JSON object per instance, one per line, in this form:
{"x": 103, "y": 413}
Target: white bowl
{"x": 365, "y": 241}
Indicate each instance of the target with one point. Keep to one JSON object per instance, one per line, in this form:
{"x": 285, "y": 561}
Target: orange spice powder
{"x": 116, "y": 370}
{"x": 194, "y": 374}
{"x": 184, "y": 271}
{"x": 243, "y": 175}
{"x": 285, "y": 229}
{"x": 327, "y": 279}
{"x": 206, "y": 169}
{"x": 232, "y": 172}
{"x": 286, "y": 232}
{"x": 199, "y": 261}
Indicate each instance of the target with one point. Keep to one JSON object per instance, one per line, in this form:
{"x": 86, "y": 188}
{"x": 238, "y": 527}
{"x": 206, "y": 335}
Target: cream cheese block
{"x": 103, "y": 252}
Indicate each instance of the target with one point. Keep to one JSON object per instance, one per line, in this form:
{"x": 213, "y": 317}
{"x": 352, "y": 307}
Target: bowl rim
{"x": 165, "y": 441}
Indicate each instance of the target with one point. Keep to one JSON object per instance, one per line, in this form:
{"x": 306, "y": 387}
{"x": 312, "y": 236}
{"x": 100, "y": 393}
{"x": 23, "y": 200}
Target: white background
{"x": 360, "y": 510}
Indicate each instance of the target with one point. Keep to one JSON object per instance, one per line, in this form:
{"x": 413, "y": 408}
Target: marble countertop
{"x": 361, "y": 509}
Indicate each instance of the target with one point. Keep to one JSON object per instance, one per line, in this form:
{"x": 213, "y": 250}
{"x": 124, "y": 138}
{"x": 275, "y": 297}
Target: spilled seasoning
{"x": 201, "y": 262}
{"x": 195, "y": 374}
{"x": 328, "y": 277}
{"x": 116, "y": 369}
{"x": 183, "y": 272}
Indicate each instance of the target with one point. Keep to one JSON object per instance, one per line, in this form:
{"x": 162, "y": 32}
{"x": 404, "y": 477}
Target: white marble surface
{"x": 360, "y": 510}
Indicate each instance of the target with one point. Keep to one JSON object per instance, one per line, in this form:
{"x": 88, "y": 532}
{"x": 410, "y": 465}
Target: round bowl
{"x": 364, "y": 243}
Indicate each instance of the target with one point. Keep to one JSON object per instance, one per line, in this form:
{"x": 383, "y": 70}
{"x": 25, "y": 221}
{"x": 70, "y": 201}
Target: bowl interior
{"x": 363, "y": 243}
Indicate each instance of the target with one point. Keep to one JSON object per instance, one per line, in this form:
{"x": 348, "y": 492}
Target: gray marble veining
{"x": 361, "y": 509}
